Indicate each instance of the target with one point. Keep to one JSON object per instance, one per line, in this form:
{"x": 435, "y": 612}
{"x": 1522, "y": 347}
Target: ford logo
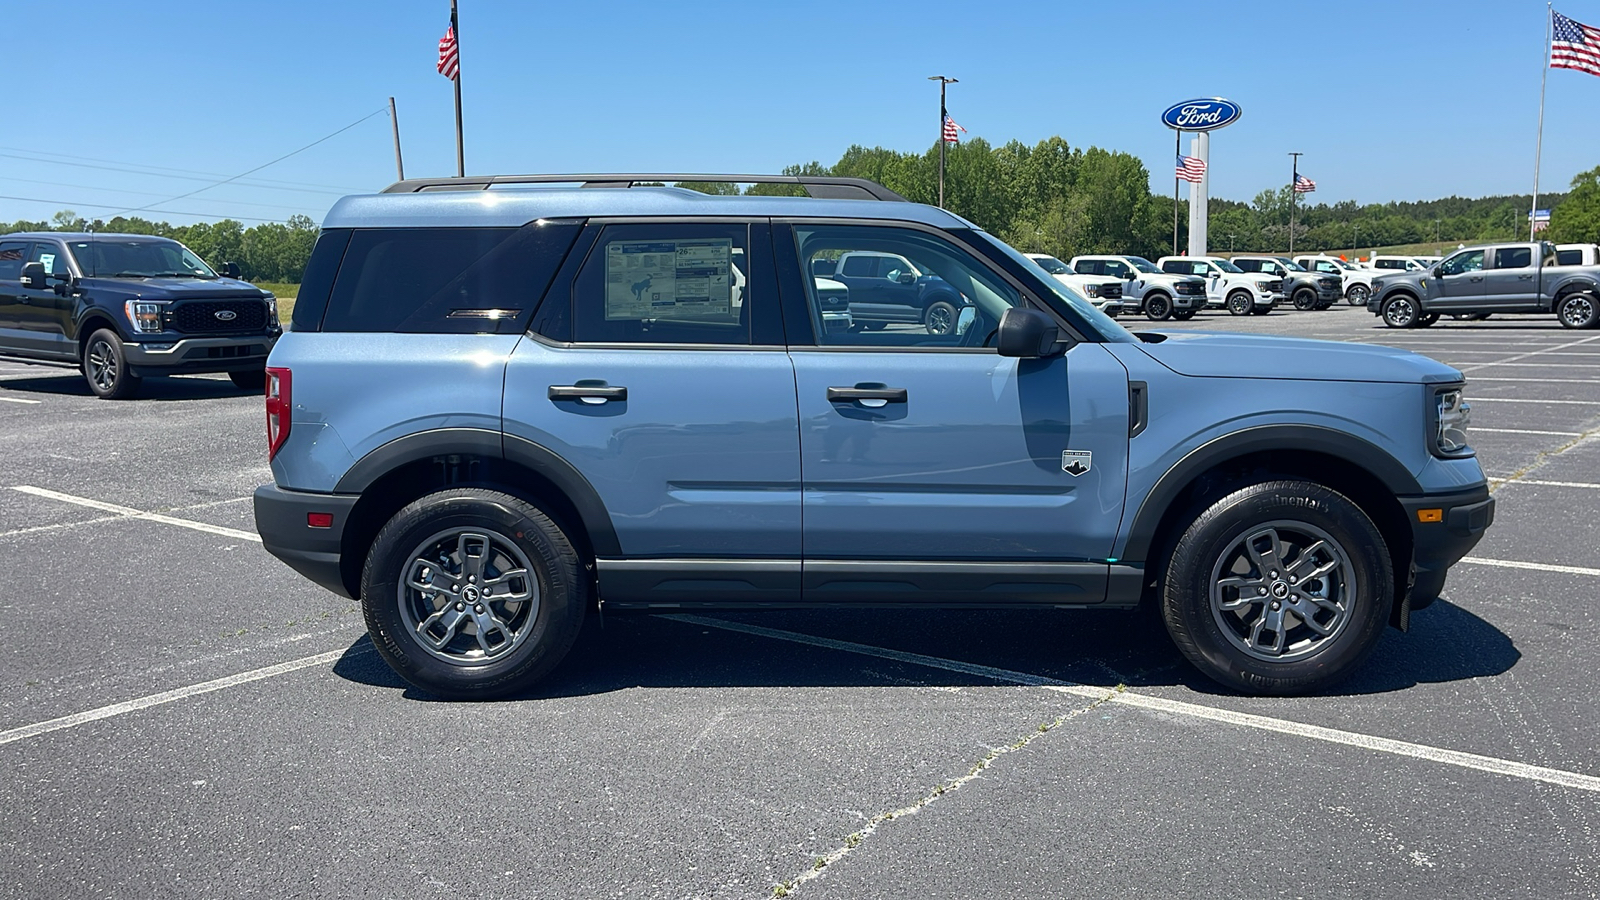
{"x": 225, "y": 315}
{"x": 1201, "y": 115}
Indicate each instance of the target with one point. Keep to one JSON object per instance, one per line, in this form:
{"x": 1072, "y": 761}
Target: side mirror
{"x": 230, "y": 270}
{"x": 907, "y": 278}
{"x": 1026, "y": 333}
{"x": 33, "y": 276}
{"x": 1438, "y": 271}
{"x": 1129, "y": 275}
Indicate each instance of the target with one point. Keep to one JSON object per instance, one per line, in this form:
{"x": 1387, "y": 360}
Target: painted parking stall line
{"x": 18, "y": 400}
{"x": 1530, "y": 566}
{"x": 1496, "y": 765}
{"x": 130, "y": 513}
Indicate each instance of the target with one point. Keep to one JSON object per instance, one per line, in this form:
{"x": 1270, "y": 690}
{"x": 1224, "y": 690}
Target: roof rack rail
{"x": 822, "y": 187}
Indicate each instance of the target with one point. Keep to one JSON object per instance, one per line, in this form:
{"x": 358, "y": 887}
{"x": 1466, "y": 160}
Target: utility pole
{"x": 1355, "y": 242}
{"x": 1294, "y": 181}
{"x": 942, "y": 116}
{"x": 1230, "y": 243}
{"x": 394, "y": 120}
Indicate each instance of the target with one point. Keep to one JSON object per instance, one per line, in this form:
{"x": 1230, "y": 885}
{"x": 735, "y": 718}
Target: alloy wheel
{"x": 1282, "y": 590}
{"x": 469, "y": 595}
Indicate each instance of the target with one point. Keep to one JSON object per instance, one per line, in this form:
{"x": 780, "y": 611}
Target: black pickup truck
{"x": 123, "y": 307}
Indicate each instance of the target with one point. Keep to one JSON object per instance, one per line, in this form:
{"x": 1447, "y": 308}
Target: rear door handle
{"x": 846, "y": 394}
{"x": 588, "y": 393}
{"x": 1525, "y": 277}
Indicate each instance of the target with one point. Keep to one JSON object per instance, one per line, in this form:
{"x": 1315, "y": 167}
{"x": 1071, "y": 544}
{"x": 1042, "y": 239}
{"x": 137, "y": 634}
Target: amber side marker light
{"x": 1430, "y": 515}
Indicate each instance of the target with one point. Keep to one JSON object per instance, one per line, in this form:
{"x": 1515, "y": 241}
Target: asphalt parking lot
{"x": 186, "y": 717}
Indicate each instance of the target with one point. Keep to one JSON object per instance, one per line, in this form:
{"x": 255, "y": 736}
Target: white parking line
{"x": 204, "y": 687}
{"x": 1533, "y": 353}
{"x": 1571, "y": 484}
{"x": 131, "y": 513}
{"x": 1498, "y": 766}
{"x": 1476, "y": 429}
{"x": 1547, "y": 365}
{"x": 1536, "y": 567}
{"x": 1520, "y": 400}
{"x": 18, "y": 400}
{"x": 1477, "y": 378}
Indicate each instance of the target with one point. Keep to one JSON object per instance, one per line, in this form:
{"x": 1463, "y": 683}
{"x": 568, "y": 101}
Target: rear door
{"x": 936, "y": 470}
{"x": 12, "y": 254}
{"x": 44, "y": 316}
{"x": 1511, "y": 279}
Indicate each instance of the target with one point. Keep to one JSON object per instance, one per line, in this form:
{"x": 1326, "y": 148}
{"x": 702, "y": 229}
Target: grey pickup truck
{"x": 1476, "y": 282}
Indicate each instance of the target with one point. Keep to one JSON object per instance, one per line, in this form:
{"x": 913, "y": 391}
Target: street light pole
{"x": 1294, "y": 181}
{"x": 942, "y": 116}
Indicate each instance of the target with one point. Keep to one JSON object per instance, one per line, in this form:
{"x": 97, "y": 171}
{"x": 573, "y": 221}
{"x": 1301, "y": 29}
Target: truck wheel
{"x": 1357, "y": 295}
{"x": 940, "y": 317}
{"x": 1305, "y": 299}
{"x": 251, "y": 380}
{"x": 106, "y": 369}
{"x": 1183, "y": 315}
{"x": 1240, "y": 302}
{"x": 472, "y": 594}
{"x": 1578, "y": 311}
{"x": 1282, "y": 587}
{"x": 1400, "y": 312}
{"x": 1426, "y": 319}
{"x": 1157, "y": 307}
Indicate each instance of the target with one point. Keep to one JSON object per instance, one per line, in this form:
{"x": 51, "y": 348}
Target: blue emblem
{"x": 1201, "y": 115}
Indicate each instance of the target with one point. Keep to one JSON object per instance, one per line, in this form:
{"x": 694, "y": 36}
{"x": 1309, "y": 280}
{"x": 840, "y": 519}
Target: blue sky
{"x": 1388, "y": 100}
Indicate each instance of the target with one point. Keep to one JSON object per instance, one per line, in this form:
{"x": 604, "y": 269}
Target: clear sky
{"x": 1391, "y": 100}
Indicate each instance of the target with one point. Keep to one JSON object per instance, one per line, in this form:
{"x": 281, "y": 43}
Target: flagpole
{"x": 1177, "y": 148}
{"x": 942, "y": 116}
{"x": 1538, "y": 152}
{"x": 455, "y": 28}
{"x": 394, "y": 120}
{"x": 1294, "y": 188}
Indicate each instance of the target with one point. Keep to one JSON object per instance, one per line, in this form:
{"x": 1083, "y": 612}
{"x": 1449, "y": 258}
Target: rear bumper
{"x": 1436, "y": 546}
{"x": 239, "y": 353}
{"x": 313, "y": 552}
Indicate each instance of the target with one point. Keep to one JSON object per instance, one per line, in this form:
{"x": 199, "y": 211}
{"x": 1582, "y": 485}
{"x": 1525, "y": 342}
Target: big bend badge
{"x": 1076, "y": 462}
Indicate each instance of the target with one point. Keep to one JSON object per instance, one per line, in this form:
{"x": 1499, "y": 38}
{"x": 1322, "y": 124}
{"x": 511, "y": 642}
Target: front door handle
{"x": 1476, "y": 278}
{"x": 588, "y": 393}
{"x": 1525, "y": 277}
{"x": 846, "y": 394}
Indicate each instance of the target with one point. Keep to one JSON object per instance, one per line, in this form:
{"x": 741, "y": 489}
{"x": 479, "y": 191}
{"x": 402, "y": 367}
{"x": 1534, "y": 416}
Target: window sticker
{"x": 670, "y": 280}
{"x": 49, "y": 260}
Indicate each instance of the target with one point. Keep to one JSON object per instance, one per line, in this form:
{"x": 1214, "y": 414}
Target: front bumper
{"x": 1374, "y": 305}
{"x": 239, "y": 353}
{"x": 1436, "y": 546}
{"x": 313, "y": 552}
{"x": 1270, "y": 301}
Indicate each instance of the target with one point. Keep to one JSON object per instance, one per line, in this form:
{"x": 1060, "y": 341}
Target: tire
{"x": 486, "y": 536}
{"x": 1400, "y": 312}
{"x": 1183, "y": 315}
{"x": 1357, "y": 295}
{"x": 1240, "y": 303}
{"x": 1426, "y": 319}
{"x": 106, "y": 368}
{"x": 1219, "y": 589}
{"x": 1305, "y": 299}
{"x": 252, "y": 380}
{"x": 940, "y": 317}
{"x": 1579, "y": 310}
{"x": 1262, "y": 310}
{"x": 1157, "y": 307}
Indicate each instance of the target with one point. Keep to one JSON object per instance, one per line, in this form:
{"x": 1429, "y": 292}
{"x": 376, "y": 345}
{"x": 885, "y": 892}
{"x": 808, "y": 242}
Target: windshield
{"x": 1291, "y": 265}
{"x": 1142, "y": 264}
{"x": 1344, "y": 265}
{"x": 1107, "y": 326}
{"x": 111, "y": 257}
{"x": 1225, "y": 266}
{"x": 1052, "y": 265}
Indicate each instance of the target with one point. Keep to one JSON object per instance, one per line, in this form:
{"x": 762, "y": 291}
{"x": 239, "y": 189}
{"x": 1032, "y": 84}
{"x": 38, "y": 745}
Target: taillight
{"x": 279, "y": 405}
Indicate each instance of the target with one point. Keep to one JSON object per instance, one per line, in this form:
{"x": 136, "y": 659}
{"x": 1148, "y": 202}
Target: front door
{"x": 935, "y": 469}
{"x": 1460, "y": 282}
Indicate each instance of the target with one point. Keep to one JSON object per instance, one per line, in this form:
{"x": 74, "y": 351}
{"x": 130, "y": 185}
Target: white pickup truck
{"x": 1227, "y": 285}
{"x": 1577, "y": 255}
{"x": 1104, "y": 293}
{"x": 1357, "y": 281}
{"x": 1145, "y": 288}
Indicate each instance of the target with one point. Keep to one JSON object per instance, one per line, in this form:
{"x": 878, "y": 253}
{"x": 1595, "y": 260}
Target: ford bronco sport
{"x": 502, "y": 403}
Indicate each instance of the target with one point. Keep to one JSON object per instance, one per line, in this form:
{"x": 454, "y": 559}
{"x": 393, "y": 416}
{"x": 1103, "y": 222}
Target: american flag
{"x": 1304, "y": 185}
{"x": 1191, "y": 168}
{"x": 449, "y": 55}
{"x": 1574, "y": 45}
{"x": 950, "y": 129}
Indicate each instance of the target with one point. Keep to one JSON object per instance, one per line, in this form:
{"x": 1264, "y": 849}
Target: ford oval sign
{"x": 225, "y": 315}
{"x": 1201, "y": 115}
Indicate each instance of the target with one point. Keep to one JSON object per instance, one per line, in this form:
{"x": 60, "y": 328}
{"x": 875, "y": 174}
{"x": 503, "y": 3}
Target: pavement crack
{"x": 1541, "y": 458}
{"x": 856, "y": 839}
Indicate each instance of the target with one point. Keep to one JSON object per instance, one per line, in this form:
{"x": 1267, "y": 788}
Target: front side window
{"x": 1115, "y": 268}
{"x": 50, "y": 256}
{"x": 668, "y": 284}
{"x": 1054, "y": 266}
{"x": 953, "y": 300}
{"x": 1226, "y": 266}
{"x": 1466, "y": 261}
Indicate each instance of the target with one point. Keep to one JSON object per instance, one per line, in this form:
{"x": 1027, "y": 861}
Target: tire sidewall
{"x": 1582, "y": 322}
{"x": 126, "y": 383}
{"x": 1358, "y": 295}
{"x": 1305, "y": 299}
{"x": 1392, "y": 304}
{"x": 561, "y": 592}
{"x": 1186, "y": 590}
{"x": 927, "y": 317}
{"x": 1240, "y": 303}
{"x": 1157, "y": 307}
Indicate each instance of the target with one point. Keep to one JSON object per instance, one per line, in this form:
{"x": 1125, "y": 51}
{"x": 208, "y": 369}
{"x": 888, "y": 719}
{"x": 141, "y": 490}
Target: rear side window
{"x": 1513, "y": 258}
{"x": 11, "y": 260}
{"x": 667, "y": 284}
{"x": 1248, "y": 265}
{"x": 1088, "y": 267}
{"x": 445, "y": 280}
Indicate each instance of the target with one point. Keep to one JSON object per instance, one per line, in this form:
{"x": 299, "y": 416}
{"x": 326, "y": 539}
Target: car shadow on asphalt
{"x": 1446, "y": 643}
{"x": 71, "y": 384}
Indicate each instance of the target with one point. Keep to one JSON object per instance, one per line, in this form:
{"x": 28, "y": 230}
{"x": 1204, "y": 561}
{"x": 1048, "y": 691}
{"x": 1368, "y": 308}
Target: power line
{"x": 79, "y": 165}
{"x": 95, "y": 187}
{"x": 224, "y": 181}
{"x": 187, "y": 173}
{"x": 170, "y": 212}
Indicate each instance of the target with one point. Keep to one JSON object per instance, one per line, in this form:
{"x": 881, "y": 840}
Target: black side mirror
{"x": 1026, "y": 333}
{"x": 1438, "y": 271}
{"x": 33, "y": 276}
{"x": 230, "y": 270}
{"x": 907, "y": 278}
{"x": 1128, "y": 275}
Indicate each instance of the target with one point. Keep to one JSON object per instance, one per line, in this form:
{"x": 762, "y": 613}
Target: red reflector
{"x": 319, "y": 520}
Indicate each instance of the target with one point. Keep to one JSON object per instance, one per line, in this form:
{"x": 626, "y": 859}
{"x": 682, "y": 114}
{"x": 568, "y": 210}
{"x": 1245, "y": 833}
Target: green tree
{"x": 1577, "y": 219}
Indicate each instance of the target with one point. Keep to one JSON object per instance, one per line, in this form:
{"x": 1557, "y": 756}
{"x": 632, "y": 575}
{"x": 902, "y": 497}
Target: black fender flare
{"x": 1575, "y": 286}
{"x": 485, "y": 442}
{"x": 1305, "y": 438}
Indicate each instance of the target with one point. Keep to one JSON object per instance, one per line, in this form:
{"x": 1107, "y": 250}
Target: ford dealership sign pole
{"x": 1201, "y": 117}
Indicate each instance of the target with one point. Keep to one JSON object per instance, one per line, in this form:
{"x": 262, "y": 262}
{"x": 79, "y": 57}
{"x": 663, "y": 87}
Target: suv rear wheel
{"x": 1282, "y": 587}
{"x": 472, "y": 594}
{"x": 106, "y": 369}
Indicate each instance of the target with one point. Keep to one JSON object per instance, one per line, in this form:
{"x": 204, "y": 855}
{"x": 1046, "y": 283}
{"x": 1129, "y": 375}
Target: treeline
{"x": 1046, "y": 198}
{"x": 272, "y": 251}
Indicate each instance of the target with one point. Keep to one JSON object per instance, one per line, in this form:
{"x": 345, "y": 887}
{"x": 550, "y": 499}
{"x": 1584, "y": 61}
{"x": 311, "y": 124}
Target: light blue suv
{"x": 504, "y": 401}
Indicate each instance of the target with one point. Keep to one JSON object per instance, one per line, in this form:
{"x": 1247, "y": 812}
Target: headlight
{"x": 1093, "y": 290}
{"x": 1377, "y": 284}
{"x": 1453, "y": 415}
{"x": 272, "y": 311}
{"x": 145, "y": 315}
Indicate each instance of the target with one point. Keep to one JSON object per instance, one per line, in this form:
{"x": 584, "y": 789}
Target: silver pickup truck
{"x": 1476, "y": 282}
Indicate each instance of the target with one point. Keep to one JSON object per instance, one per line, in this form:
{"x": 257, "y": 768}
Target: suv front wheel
{"x": 472, "y": 594}
{"x": 1282, "y": 587}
